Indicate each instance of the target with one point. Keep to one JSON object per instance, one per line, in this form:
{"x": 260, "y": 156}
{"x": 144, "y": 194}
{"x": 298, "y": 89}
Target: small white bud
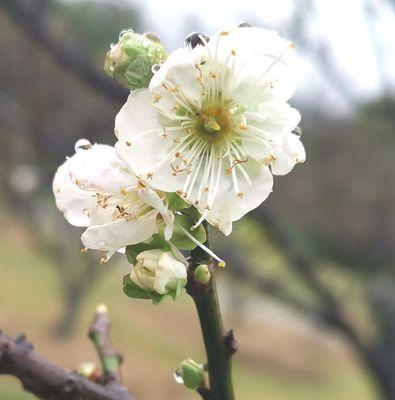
{"x": 158, "y": 271}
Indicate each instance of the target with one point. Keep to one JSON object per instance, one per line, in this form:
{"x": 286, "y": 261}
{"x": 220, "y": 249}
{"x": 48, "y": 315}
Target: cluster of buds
{"x": 132, "y": 59}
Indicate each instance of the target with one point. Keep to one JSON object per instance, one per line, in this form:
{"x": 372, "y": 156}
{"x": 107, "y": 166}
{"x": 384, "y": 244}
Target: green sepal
{"x": 180, "y": 240}
{"x": 176, "y": 293}
{"x": 157, "y": 242}
{"x": 191, "y": 212}
{"x": 136, "y": 292}
{"x": 157, "y": 297}
{"x": 132, "y": 290}
{"x": 135, "y": 74}
{"x": 176, "y": 202}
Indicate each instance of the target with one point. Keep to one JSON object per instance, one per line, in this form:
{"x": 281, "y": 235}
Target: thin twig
{"x": 49, "y": 381}
{"x": 99, "y": 333}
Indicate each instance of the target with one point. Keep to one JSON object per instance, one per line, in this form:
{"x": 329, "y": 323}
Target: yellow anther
{"x": 222, "y": 264}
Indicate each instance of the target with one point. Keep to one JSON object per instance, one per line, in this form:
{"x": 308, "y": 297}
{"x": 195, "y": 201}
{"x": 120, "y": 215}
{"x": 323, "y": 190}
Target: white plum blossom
{"x": 97, "y": 190}
{"x": 158, "y": 271}
{"x": 214, "y": 124}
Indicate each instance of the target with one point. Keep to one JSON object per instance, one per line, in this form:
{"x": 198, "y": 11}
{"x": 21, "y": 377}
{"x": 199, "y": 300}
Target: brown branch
{"x": 71, "y": 58}
{"x": 51, "y": 382}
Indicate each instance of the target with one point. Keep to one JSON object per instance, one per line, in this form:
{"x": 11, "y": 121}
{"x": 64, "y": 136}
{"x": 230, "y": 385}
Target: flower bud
{"x": 158, "y": 271}
{"x": 202, "y": 274}
{"x": 190, "y": 374}
{"x": 89, "y": 370}
{"x": 131, "y": 60}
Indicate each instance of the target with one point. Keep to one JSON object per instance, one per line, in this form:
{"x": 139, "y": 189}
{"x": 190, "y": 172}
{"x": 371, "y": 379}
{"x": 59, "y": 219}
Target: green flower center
{"x": 215, "y": 123}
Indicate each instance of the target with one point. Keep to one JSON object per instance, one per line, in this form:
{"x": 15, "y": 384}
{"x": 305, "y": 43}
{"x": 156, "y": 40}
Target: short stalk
{"x": 219, "y": 344}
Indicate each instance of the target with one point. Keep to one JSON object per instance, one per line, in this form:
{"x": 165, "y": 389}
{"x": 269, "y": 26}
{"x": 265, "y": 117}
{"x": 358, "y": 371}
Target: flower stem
{"x": 219, "y": 344}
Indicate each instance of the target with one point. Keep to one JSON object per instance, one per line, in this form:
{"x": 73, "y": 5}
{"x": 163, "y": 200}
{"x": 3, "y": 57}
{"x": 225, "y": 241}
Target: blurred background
{"x": 310, "y": 282}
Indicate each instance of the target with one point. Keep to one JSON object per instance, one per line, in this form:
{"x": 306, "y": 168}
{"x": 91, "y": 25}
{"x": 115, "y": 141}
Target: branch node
{"x": 69, "y": 386}
{"x": 23, "y": 343}
{"x": 230, "y": 342}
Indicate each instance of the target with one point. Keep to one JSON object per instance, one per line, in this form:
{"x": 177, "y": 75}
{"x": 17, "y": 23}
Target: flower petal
{"x": 229, "y": 206}
{"x": 120, "y": 233}
{"x": 152, "y": 198}
{"x": 74, "y": 202}
{"x": 259, "y": 55}
{"x": 287, "y": 155}
{"x": 100, "y": 169}
{"x": 168, "y": 273}
{"x": 144, "y": 144}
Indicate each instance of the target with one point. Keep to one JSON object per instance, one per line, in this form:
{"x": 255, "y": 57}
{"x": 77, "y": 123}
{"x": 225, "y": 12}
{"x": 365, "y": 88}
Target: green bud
{"x": 131, "y": 60}
{"x": 190, "y": 374}
{"x": 202, "y": 274}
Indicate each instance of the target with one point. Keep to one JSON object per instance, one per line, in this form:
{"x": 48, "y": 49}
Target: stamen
{"x": 202, "y": 246}
{"x": 234, "y": 176}
{"x": 196, "y": 172}
{"x": 201, "y": 219}
{"x": 211, "y": 198}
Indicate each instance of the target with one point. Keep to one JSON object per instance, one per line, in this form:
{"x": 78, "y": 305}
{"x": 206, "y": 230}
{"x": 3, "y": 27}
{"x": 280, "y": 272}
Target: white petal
{"x": 176, "y": 57}
{"x": 75, "y": 203}
{"x": 258, "y": 150}
{"x": 141, "y": 279}
{"x": 136, "y": 115}
{"x": 120, "y": 233}
{"x": 272, "y": 124}
{"x": 168, "y": 273}
{"x": 144, "y": 144}
{"x": 153, "y": 254}
{"x": 151, "y": 198}
{"x": 229, "y": 206}
{"x": 260, "y": 55}
{"x": 100, "y": 169}
{"x": 178, "y": 73}
{"x": 278, "y": 119}
{"x": 287, "y": 155}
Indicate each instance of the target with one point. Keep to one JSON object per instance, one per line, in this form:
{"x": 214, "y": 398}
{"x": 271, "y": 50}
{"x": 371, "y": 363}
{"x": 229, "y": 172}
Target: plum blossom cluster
{"x": 199, "y": 138}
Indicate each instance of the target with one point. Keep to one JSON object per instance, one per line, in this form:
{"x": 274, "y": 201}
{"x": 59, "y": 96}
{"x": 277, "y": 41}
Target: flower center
{"x": 214, "y": 123}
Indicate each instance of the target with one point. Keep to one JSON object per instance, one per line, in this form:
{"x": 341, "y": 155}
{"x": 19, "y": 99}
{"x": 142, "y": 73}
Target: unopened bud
{"x": 89, "y": 370}
{"x": 202, "y": 274}
{"x": 102, "y": 309}
{"x": 190, "y": 374}
{"x": 132, "y": 59}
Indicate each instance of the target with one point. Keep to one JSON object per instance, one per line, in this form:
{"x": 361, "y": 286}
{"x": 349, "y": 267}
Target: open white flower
{"x": 215, "y": 125}
{"x": 95, "y": 189}
{"x": 158, "y": 271}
